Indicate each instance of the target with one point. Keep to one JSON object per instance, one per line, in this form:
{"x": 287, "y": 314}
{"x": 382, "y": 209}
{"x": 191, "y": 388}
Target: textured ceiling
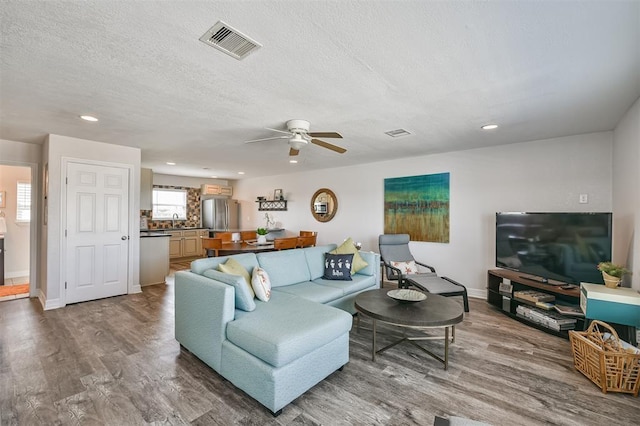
{"x": 539, "y": 69}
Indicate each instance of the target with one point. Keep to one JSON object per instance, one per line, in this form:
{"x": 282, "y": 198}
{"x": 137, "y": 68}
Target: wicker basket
{"x": 602, "y": 358}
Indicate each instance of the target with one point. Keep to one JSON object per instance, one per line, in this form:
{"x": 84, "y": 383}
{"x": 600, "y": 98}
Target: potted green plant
{"x": 612, "y": 273}
{"x": 262, "y": 235}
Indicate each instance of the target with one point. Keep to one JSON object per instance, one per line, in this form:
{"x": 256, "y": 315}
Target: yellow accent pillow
{"x": 233, "y": 267}
{"x": 349, "y": 247}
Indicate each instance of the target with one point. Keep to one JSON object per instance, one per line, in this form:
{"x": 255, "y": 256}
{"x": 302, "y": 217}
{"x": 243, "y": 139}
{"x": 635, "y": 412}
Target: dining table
{"x": 244, "y": 247}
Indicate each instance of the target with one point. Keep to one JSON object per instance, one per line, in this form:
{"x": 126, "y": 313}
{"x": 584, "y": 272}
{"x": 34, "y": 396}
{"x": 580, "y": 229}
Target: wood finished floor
{"x": 115, "y": 362}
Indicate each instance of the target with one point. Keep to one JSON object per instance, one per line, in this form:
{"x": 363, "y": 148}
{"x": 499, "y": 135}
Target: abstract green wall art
{"x": 418, "y": 206}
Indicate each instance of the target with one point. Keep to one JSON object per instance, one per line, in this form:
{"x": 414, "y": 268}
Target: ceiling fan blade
{"x": 293, "y": 152}
{"x": 276, "y": 130}
{"x": 327, "y": 145}
{"x": 267, "y": 139}
{"x": 325, "y": 135}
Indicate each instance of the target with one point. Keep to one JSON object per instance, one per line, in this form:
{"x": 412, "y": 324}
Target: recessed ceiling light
{"x": 214, "y": 177}
{"x": 88, "y": 118}
{"x": 489, "y": 127}
{"x": 293, "y": 161}
{"x": 240, "y": 173}
{"x": 169, "y": 163}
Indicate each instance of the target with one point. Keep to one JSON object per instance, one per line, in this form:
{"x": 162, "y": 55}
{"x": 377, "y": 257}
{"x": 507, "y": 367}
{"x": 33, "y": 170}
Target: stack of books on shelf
{"x": 549, "y": 319}
{"x": 571, "y": 310}
{"x": 533, "y": 296}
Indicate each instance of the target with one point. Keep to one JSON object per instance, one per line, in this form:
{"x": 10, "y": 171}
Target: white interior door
{"x": 97, "y": 228}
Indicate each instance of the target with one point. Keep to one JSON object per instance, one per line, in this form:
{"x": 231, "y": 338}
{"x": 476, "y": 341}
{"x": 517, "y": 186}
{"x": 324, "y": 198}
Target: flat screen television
{"x": 563, "y": 247}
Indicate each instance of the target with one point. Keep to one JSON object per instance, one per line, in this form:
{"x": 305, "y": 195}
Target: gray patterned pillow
{"x": 337, "y": 266}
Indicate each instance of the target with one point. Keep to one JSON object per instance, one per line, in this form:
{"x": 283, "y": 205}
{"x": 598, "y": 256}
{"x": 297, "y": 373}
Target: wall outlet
{"x": 584, "y": 198}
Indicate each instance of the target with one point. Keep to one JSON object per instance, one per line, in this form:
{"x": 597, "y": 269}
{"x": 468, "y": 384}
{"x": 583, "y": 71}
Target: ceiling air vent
{"x": 397, "y": 133}
{"x": 229, "y": 40}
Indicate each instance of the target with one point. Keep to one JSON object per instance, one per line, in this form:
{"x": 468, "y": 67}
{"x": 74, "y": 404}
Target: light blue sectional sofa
{"x": 283, "y": 347}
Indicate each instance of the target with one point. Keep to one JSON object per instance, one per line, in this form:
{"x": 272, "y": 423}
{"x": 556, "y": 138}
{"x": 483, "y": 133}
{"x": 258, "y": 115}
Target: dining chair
{"x": 248, "y": 235}
{"x": 285, "y": 243}
{"x": 226, "y": 237}
{"x": 307, "y": 241}
{"x": 213, "y": 244}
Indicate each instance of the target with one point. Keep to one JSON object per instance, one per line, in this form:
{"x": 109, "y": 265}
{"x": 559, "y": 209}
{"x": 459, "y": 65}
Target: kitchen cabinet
{"x": 186, "y": 243}
{"x": 202, "y": 233}
{"x": 146, "y": 189}
{"x": 207, "y": 189}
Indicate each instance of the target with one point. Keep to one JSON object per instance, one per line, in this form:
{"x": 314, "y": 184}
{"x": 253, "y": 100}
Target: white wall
{"x": 545, "y": 175}
{"x": 56, "y": 149}
{"x": 16, "y": 239}
{"x": 28, "y": 155}
{"x": 626, "y": 192}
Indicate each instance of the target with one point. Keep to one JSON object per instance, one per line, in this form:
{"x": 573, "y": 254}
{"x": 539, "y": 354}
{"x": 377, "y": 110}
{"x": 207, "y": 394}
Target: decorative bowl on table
{"x": 405, "y": 295}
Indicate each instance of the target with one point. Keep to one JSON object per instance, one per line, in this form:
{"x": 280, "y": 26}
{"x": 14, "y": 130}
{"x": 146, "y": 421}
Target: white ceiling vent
{"x": 229, "y": 40}
{"x": 397, "y": 133}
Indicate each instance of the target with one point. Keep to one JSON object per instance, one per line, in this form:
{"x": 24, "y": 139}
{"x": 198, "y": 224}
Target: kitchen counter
{"x": 145, "y": 234}
{"x": 164, "y": 230}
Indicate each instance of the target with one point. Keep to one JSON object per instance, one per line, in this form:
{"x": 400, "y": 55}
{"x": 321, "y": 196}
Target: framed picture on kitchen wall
{"x": 277, "y": 194}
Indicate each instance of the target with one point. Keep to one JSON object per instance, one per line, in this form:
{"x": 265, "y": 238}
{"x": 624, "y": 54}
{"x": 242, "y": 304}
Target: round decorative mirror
{"x": 324, "y": 205}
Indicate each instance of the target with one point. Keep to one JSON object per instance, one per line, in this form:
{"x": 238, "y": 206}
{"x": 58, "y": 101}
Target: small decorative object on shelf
{"x": 277, "y": 195}
{"x": 612, "y": 273}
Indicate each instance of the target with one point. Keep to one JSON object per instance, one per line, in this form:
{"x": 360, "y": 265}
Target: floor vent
{"x": 230, "y": 41}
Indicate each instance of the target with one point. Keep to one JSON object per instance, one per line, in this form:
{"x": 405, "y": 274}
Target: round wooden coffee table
{"x": 434, "y": 312}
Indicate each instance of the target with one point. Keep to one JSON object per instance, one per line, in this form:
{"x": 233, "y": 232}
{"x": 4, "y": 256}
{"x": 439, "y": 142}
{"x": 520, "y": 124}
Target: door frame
{"x": 34, "y": 224}
{"x": 133, "y": 223}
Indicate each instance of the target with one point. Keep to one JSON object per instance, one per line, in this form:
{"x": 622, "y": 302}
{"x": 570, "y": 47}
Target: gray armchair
{"x": 395, "y": 248}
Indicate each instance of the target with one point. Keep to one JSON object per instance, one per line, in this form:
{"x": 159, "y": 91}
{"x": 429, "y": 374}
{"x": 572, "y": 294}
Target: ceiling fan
{"x": 299, "y": 136}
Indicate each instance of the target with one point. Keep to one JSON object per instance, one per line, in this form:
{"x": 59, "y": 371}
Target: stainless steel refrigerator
{"x": 220, "y": 214}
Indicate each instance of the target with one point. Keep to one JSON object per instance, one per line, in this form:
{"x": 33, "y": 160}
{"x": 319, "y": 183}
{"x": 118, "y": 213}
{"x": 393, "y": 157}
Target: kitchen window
{"x": 169, "y": 202}
{"x": 23, "y": 202}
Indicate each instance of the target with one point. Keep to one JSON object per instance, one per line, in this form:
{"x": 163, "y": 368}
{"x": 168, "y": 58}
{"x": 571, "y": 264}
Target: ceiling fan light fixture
{"x": 298, "y": 141}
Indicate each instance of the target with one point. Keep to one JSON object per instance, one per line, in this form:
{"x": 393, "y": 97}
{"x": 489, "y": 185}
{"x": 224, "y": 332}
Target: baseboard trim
{"x": 476, "y": 293}
{"x": 47, "y": 305}
{"x": 17, "y": 274}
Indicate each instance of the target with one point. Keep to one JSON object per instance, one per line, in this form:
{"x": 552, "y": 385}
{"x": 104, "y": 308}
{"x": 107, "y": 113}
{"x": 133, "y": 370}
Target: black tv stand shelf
{"x": 506, "y": 303}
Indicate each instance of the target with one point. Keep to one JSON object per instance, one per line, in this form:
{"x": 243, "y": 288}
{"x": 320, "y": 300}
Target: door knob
{"x": 124, "y": 237}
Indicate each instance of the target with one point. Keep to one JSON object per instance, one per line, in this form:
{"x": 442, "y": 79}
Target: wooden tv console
{"x": 506, "y": 303}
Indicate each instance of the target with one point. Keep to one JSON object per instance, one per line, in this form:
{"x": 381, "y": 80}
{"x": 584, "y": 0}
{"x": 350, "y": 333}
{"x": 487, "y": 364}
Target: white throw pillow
{"x": 261, "y": 284}
{"x": 407, "y": 268}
